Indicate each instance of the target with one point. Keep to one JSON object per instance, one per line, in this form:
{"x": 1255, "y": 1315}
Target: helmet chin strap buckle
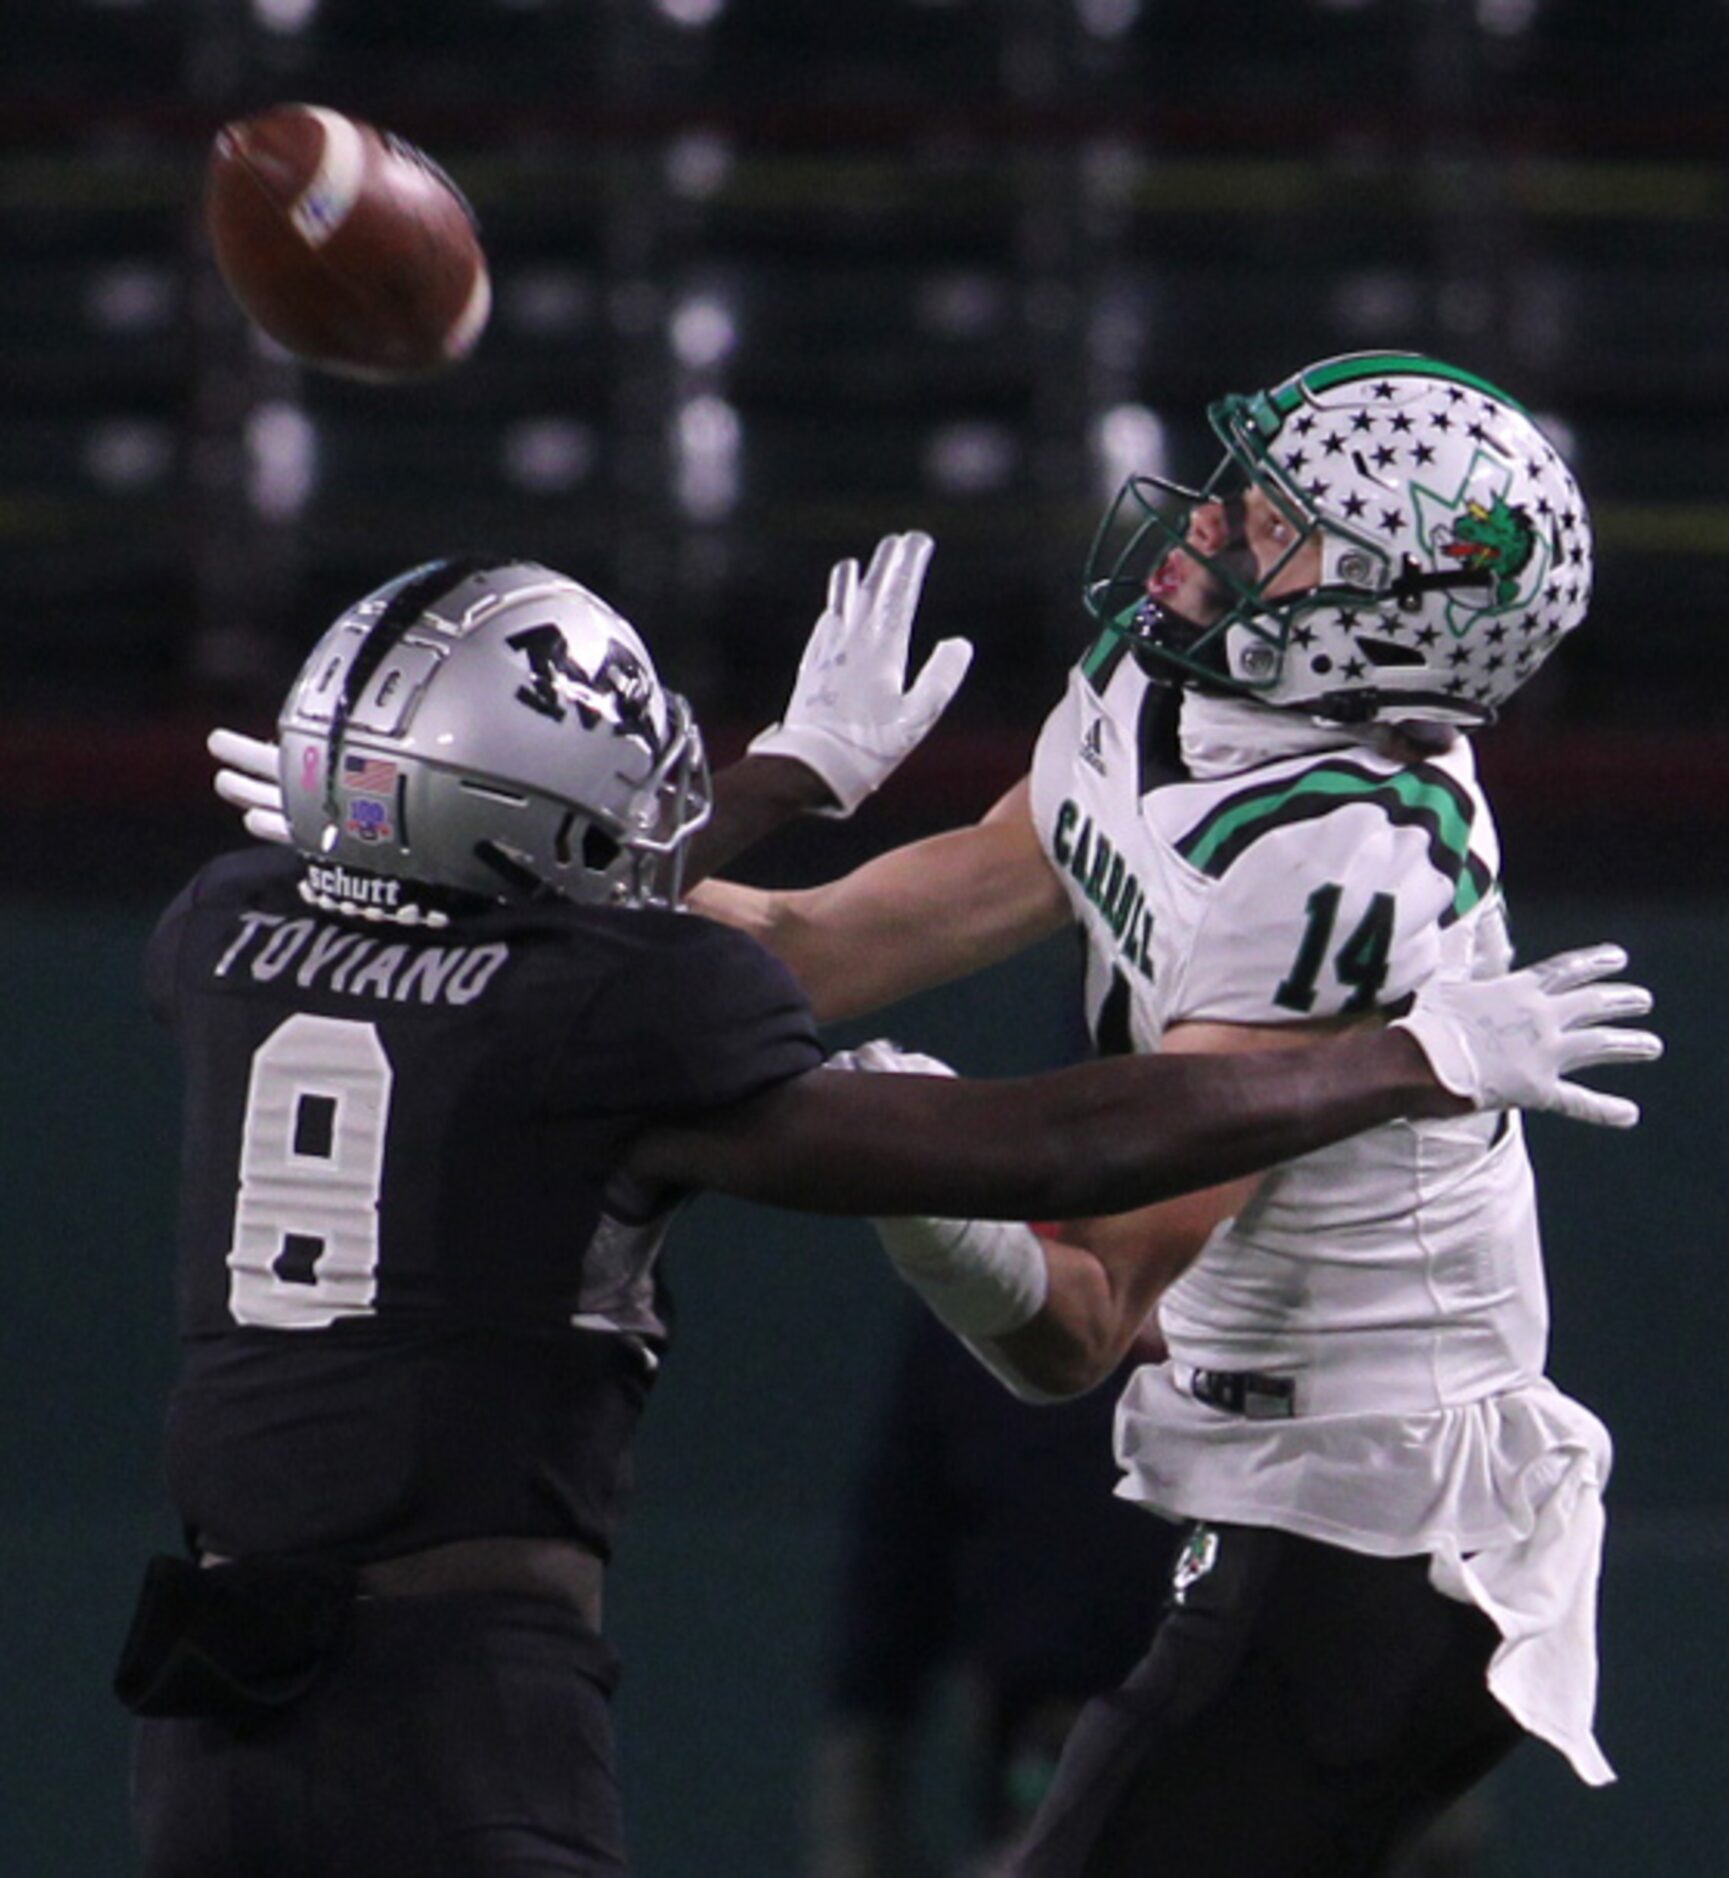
{"x": 1351, "y": 708}
{"x": 515, "y": 873}
{"x": 1415, "y": 582}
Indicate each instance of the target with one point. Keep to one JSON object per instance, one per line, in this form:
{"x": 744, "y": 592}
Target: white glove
{"x": 852, "y": 716}
{"x": 889, "y": 1058}
{"x": 249, "y": 781}
{"x": 1509, "y": 1042}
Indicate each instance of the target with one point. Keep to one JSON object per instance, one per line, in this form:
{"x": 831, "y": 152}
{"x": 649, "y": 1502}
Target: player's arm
{"x": 1115, "y": 1136}
{"x": 917, "y": 916}
{"x": 1099, "y": 1138}
{"x": 1112, "y": 1136}
{"x": 1107, "y": 1274}
{"x": 753, "y": 798}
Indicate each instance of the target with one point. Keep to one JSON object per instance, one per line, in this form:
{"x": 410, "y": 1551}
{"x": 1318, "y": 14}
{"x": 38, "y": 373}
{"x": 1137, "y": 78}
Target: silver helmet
{"x": 494, "y": 727}
{"x": 1455, "y": 550}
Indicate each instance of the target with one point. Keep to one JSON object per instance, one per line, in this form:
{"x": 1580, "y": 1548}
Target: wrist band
{"x": 982, "y": 1277}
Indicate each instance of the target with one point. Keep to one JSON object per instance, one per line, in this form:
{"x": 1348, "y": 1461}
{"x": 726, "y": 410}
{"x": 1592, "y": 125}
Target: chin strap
{"x": 517, "y": 875}
{"x": 408, "y": 914}
{"x": 1415, "y": 582}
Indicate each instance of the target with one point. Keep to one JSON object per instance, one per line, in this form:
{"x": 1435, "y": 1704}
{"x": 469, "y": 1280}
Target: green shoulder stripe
{"x": 1419, "y": 797}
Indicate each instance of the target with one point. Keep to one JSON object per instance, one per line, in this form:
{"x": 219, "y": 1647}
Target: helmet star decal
{"x": 1454, "y": 548}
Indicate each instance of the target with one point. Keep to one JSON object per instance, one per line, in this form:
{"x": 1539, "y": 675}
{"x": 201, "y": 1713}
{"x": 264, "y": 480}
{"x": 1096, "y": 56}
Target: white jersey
{"x": 1359, "y": 1356}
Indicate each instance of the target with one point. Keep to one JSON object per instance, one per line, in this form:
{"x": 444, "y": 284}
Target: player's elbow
{"x": 1062, "y": 1381}
{"x": 1052, "y": 1360}
{"x": 1040, "y": 1379}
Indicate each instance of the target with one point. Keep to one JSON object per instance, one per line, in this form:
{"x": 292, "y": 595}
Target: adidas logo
{"x": 1093, "y": 746}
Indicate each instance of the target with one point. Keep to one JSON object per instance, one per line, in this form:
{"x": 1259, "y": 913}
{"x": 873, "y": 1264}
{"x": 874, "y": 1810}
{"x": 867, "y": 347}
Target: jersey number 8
{"x": 305, "y": 1249}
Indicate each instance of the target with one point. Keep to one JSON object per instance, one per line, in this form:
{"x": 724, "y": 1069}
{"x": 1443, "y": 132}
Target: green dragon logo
{"x": 1498, "y": 540}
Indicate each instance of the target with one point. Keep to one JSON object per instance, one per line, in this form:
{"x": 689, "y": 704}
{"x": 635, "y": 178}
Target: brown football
{"x": 345, "y": 244}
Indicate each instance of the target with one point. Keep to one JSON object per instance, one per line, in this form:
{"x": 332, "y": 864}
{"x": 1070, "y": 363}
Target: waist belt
{"x": 1243, "y": 1392}
{"x": 559, "y": 1570}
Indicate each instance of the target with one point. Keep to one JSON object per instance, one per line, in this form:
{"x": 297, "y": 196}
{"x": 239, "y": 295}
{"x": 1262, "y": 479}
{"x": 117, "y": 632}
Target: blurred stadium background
{"x": 774, "y": 276}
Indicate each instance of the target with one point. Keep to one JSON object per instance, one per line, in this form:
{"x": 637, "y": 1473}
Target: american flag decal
{"x": 368, "y": 775}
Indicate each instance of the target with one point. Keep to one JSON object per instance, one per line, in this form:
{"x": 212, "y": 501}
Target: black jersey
{"x": 417, "y": 1300}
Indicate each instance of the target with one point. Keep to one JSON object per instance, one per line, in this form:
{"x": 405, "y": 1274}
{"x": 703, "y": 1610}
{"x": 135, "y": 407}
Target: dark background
{"x": 775, "y": 276}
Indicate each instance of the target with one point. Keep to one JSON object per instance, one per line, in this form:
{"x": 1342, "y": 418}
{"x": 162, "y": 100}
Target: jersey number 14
{"x": 1360, "y": 963}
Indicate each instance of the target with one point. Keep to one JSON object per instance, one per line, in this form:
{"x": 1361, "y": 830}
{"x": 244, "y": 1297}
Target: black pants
{"x": 465, "y": 1735}
{"x": 1303, "y": 1712}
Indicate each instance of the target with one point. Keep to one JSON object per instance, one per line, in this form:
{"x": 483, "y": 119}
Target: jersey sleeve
{"x": 162, "y": 959}
{"x": 219, "y": 889}
{"x": 1347, "y": 911}
{"x": 695, "y": 1016}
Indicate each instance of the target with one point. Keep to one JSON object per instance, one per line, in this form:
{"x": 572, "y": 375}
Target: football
{"x": 347, "y": 245}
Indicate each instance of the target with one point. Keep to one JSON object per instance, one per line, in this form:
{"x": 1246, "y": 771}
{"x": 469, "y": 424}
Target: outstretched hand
{"x": 1512, "y": 1042}
{"x": 853, "y": 716}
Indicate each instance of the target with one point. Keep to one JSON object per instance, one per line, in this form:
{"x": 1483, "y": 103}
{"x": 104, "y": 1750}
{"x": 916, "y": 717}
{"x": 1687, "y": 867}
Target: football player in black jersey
{"x": 453, "y": 1056}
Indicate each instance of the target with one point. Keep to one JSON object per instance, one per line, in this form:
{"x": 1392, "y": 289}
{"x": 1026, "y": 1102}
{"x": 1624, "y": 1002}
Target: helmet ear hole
{"x": 599, "y": 849}
{"x": 1388, "y": 652}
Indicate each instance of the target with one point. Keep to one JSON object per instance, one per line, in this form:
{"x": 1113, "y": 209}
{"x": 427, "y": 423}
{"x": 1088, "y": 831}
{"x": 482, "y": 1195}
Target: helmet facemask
{"x": 1199, "y": 605}
{"x": 637, "y": 859}
{"x": 1454, "y": 548}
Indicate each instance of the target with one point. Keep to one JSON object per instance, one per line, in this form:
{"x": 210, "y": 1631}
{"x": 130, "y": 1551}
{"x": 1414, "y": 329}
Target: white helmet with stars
{"x": 1455, "y": 547}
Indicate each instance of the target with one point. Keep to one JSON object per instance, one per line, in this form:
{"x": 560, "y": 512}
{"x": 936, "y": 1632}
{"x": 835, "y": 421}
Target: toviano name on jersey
{"x": 319, "y": 954}
{"x": 1102, "y": 874}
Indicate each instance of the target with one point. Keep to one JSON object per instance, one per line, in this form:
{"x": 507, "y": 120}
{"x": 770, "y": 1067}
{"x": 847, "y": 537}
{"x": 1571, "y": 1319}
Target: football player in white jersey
{"x": 1258, "y": 802}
